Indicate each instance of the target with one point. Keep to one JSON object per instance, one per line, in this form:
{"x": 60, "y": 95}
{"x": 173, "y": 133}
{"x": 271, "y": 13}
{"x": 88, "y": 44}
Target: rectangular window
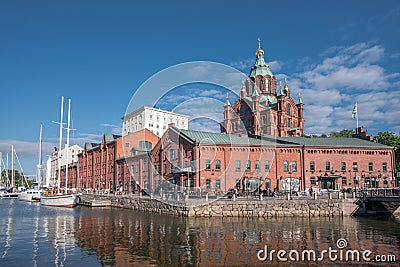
{"x": 343, "y": 164}
{"x": 165, "y": 168}
{"x": 248, "y": 165}
{"x": 218, "y": 184}
{"x": 370, "y": 167}
{"x": 288, "y": 123}
{"x": 344, "y": 181}
{"x": 356, "y": 178}
{"x": 133, "y": 169}
{"x": 267, "y": 165}
{"x": 127, "y": 144}
{"x": 384, "y": 167}
{"x": 294, "y": 166}
{"x": 355, "y": 166}
{"x": 257, "y": 165}
{"x": 285, "y": 166}
{"x": 327, "y": 166}
{"x": 172, "y": 155}
{"x": 208, "y": 165}
{"x": 208, "y": 184}
{"x": 237, "y": 165}
{"x": 312, "y": 166}
{"x": 312, "y": 180}
{"x": 217, "y": 165}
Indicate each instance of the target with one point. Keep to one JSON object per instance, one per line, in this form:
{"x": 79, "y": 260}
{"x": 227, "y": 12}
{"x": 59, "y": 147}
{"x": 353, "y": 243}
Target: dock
{"x": 95, "y": 203}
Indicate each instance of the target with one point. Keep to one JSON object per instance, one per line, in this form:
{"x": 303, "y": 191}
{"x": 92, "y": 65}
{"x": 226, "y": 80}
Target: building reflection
{"x": 140, "y": 239}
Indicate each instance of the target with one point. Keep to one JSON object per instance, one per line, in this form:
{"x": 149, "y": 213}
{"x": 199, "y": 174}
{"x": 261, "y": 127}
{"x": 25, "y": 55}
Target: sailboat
{"x": 34, "y": 193}
{"x": 11, "y": 192}
{"x": 58, "y": 197}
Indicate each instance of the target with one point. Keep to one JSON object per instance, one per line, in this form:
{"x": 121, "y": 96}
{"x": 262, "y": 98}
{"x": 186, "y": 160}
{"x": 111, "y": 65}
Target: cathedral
{"x": 263, "y": 108}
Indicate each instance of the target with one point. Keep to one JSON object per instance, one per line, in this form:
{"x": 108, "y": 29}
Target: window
{"x": 288, "y": 123}
{"x": 356, "y": 180}
{"x": 208, "y": 165}
{"x": 133, "y": 169}
{"x": 312, "y": 166}
{"x": 294, "y": 166}
{"x": 285, "y": 166}
{"x": 165, "y": 168}
{"x": 313, "y": 181}
{"x": 126, "y": 144}
{"x": 218, "y": 184}
{"x": 237, "y": 164}
{"x": 344, "y": 181}
{"x": 370, "y": 167}
{"x": 172, "y": 154}
{"x": 384, "y": 167}
{"x": 343, "y": 164}
{"x": 257, "y": 165}
{"x": 145, "y": 144}
{"x": 248, "y": 165}
{"x": 267, "y": 165}
{"x": 355, "y": 166}
{"x": 327, "y": 166}
{"x": 208, "y": 184}
{"x": 217, "y": 165}
{"x": 288, "y": 109}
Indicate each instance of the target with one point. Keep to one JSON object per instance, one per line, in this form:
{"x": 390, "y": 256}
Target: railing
{"x": 379, "y": 192}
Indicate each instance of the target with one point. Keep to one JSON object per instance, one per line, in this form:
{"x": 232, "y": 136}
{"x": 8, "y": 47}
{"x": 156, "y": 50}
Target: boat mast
{"x": 39, "y": 167}
{"x": 1, "y": 175}
{"x": 7, "y": 177}
{"x": 22, "y": 170}
{"x": 60, "y": 144}
{"x": 12, "y": 167}
{"x": 67, "y": 148}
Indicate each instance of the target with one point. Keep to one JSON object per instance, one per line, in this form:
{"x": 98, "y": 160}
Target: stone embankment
{"x": 230, "y": 208}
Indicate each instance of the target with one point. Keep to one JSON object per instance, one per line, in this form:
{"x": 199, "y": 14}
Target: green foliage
{"x": 323, "y": 135}
{"x": 342, "y": 133}
{"x": 391, "y": 139}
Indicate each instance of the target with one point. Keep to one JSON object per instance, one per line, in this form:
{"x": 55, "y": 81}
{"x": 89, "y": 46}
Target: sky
{"x": 102, "y": 53}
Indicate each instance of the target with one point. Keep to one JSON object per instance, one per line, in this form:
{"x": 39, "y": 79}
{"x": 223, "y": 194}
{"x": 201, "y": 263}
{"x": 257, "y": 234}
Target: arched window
{"x": 288, "y": 108}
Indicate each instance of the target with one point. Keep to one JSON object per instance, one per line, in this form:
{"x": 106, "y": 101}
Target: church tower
{"x": 262, "y": 108}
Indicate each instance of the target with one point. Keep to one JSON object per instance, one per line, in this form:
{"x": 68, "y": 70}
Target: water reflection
{"x": 34, "y": 235}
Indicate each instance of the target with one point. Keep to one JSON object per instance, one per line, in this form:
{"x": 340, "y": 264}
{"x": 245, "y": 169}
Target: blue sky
{"x": 99, "y": 52}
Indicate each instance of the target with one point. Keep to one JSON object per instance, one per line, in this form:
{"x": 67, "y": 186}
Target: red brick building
{"x": 132, "y": 162}
{"x": 217, "y": 162}
{"x": 96, "y": 164}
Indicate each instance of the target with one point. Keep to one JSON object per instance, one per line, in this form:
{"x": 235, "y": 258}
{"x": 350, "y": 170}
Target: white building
{"x": 155, "y": 120}
{"x": 52, "y": 163}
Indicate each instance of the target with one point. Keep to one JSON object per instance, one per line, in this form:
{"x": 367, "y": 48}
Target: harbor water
{"x": 35, "y": 235}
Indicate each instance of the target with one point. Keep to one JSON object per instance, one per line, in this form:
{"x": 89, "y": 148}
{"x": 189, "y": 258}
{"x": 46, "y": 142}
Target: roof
{"x": 111, "y": 137}
{"x": 332, "y": 142}
{"x": 223, "y": 139}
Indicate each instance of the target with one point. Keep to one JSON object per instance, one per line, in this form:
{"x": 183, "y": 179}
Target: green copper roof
{"x": 223, "y": 139}
{"x": 332, "y": 142}
{"x": 260, "y": 67}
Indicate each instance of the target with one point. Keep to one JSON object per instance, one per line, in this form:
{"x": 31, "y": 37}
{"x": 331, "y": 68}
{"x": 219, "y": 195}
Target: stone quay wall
{"x": 237, "y": 208}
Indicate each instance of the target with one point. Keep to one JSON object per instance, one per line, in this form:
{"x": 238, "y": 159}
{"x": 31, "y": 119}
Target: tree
{"x": 342, "y": 133}
{"x": 391, "y": 139}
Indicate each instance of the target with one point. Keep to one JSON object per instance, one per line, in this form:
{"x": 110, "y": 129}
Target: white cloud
{"x": 25, "y": 149}
{"x": 330, "y": 88}
{"x": 115, "y": 129}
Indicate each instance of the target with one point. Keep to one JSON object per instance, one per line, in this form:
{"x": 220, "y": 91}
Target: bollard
{"x": 330, "y": 195}
{"x": 315, "y": 196}
{"x": 261, "y": 197}
{"x": 288, "y": 196}
{"x": 234, "y": 197}
{"x": 354, "y": 194}
{"x": 207, "y": 197}
{"x": 345, "y": 195}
